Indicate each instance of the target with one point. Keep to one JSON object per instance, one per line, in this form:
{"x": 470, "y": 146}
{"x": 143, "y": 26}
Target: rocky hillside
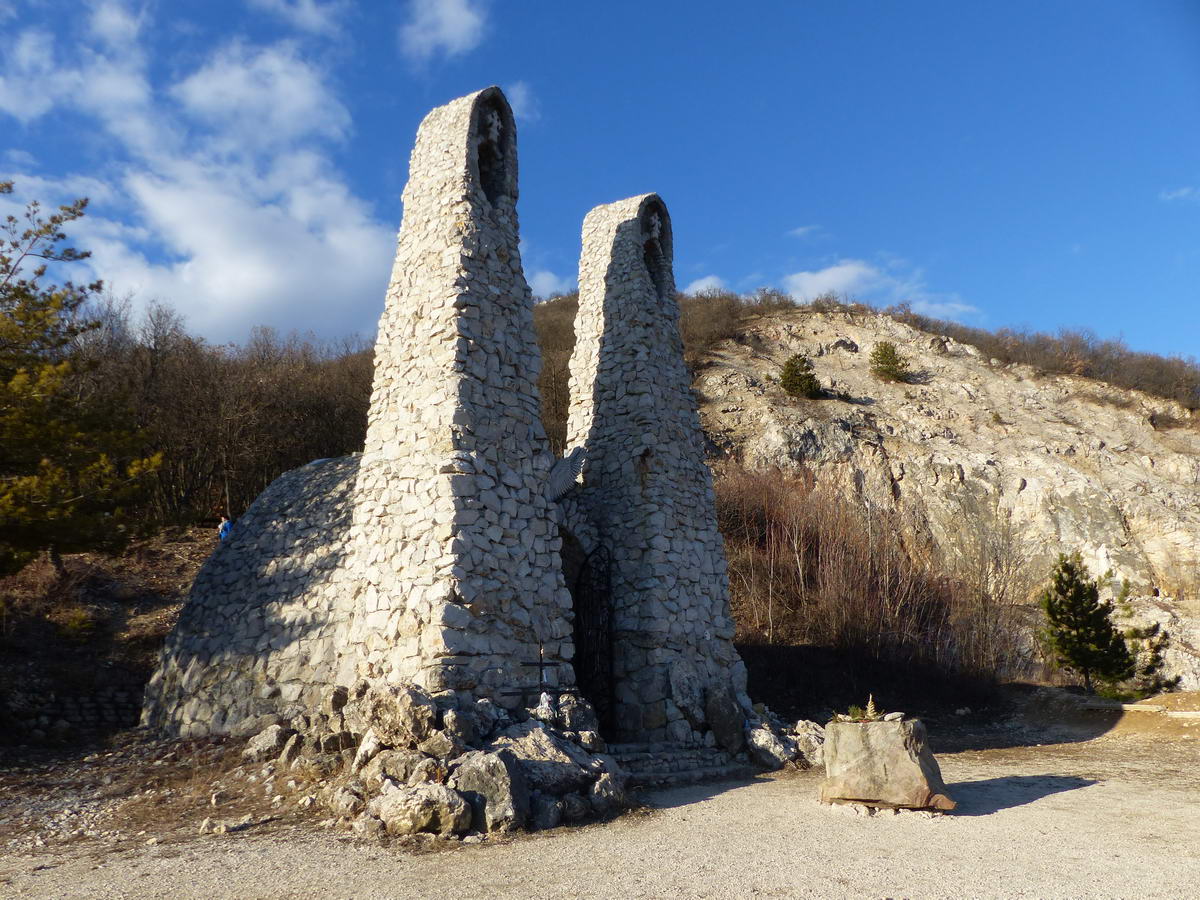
{"x": 977, "y": 456}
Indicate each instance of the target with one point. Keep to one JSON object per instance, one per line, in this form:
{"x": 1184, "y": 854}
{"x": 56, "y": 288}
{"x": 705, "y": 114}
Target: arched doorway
{"x": 587, "y": 578}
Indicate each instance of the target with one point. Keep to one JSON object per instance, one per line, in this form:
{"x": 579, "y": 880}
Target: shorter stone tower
{"x": 646, "y": 488}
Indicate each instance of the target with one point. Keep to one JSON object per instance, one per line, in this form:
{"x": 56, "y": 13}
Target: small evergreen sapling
{"x": 887, "y": 364}
{"x": 797, "y": 378}
{"x": 1079, "y": 628}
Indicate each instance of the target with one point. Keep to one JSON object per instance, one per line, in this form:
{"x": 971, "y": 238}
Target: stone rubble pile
{"x": 398, "y": 760}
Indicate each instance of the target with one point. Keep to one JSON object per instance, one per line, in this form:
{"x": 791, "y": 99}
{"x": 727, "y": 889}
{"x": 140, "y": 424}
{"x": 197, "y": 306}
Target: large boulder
{"x": 576, "y": 714}
{"x": 549, "y": 763}
{"x": 459, "y": 726}
{"x": 887, "y": 763}
{"x": 398, "y": 765}
{"x": 495, "y": 787}
{"x": 267, "y": 744}
{"x": 424, "y": 807}
{"x": 400, "y": 715}
{"x": 607, "y": 795}
{"x": 810, "y": 741}
{"x": 545, "y": 811}
{"x": 768, "y": 749}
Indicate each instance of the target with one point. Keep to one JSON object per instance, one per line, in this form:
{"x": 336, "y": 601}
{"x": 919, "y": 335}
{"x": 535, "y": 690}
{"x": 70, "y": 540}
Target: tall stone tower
{"x": 455, "y": 557}
{"x": 646, "y": 488}
{"x": 434, "y": 556}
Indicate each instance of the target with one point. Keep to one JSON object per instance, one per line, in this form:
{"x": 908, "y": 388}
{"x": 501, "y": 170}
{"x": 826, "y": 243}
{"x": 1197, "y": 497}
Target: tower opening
{"x": 587, "y": 578}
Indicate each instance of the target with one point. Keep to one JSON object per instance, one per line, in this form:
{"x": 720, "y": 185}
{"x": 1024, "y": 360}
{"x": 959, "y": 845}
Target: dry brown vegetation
{"x": 99, "y": 621}
{"x": 554, "y": 322}
{"x": 227, "y": 419}
{"x": 808, "y": 568}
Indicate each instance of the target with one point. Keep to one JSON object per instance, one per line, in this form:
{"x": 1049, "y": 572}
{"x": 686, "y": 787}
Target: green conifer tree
{"x": 797, "y": 378}
{"x": 1079, "y": 628}
{"x": 887, "y": 364}
{"x": 66, "y": 466}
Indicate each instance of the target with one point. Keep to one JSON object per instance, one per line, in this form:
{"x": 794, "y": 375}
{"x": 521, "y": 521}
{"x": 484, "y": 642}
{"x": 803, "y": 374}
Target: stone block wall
{"x": 646, "y": 486}
{"x": 260, "y": 629}
{"x": 34, "y": 717}
{"x": 456, "y": 555}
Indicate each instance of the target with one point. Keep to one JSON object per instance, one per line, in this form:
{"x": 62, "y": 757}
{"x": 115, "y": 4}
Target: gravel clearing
{"x": 1118, "y": 816}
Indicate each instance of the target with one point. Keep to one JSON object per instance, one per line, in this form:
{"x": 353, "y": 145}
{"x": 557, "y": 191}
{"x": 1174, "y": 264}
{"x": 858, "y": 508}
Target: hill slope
{"x": 971, "y": 448}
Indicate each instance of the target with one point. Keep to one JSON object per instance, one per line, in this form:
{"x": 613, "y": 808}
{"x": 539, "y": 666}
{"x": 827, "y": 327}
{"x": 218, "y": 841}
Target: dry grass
{"x": 807, "y": 568}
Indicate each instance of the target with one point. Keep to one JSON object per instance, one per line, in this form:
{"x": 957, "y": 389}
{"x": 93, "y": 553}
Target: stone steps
{"x": 694, "y": 776}
{"x": 665, "y": 765}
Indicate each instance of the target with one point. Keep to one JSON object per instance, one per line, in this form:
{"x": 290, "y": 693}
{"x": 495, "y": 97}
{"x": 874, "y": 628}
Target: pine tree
{"x": 66, "y": 466}
{"x": 797, "y": 378}
{"x": 887, "y": 364}
{"x": 1079, "y": 628}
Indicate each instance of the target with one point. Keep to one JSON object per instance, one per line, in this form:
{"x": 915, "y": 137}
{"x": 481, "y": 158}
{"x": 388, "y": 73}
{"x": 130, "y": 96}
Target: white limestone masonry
{"x": 437, "y": 557}
{"x": 646, "y": 487}
{"x": 455, "y": 558}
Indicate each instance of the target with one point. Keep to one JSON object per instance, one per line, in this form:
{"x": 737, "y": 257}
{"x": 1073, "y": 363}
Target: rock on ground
{"x": 495, "y": 787}
{"x": 549, "y": 763}
{"x": 426, "y": 807}
{"x": 882, "y": 762}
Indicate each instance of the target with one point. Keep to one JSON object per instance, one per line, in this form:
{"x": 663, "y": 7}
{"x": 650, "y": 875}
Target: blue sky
{"x": 1015, "y": 164}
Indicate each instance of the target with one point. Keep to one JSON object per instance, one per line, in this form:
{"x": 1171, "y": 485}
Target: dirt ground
{"x": 1090, "y": 804}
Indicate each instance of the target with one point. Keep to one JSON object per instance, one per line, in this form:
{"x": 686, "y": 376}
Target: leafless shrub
{"x": 808, "y": 568}
{"x": 554, "y": 322}
{"x": 227, "y": 419}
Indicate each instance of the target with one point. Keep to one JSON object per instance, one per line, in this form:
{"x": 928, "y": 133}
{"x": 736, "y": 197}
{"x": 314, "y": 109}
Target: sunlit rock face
{"x": 982, "y": 461}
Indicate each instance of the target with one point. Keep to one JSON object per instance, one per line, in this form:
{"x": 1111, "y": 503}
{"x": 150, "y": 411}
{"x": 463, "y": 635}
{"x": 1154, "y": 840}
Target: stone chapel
{"x": 456, "y": 553}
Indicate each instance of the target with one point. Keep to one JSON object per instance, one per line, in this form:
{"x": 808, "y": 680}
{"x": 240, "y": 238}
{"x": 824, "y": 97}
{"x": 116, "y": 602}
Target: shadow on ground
{"x": 688, "y": 794}
{"x": 804, "y": 682}
{"x": 990, "y": 795}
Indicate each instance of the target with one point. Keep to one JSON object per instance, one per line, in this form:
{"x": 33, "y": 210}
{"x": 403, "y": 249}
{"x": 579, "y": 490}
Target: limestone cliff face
{"x": 973, "y": 445}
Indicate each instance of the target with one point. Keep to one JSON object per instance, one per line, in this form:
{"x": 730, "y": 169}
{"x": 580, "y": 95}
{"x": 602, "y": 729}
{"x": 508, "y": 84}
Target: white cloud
{"x": 225, "y": 202}
{"x": 31, "y": 84}
{"x": 892, "y": 281}
{"x": 524, "y": 104}
{"x": 954, "y": 310}
{"x": 545, "y": 283}
{"x": 450, "y": 27}
{"x": 312, "y": 16}
{"x": 107, "y": 81}
{"x": 707, "y": 283}
{"x": 19, "y": 159}
{"x": 1181, "y": 193}
{"x": 114, "y": 24}
{"x": 804, "y": 231}
{"x": 846, "y": 277}
{"x": 262, "y": 96}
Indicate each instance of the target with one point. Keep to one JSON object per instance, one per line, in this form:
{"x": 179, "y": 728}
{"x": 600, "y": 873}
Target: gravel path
{"x": 1108, "y": 818}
